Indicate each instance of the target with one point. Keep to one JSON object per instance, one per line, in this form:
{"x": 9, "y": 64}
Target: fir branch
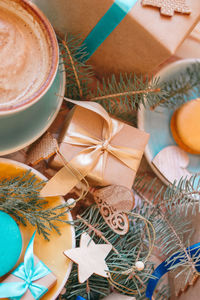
{"x": 19, "y": 197}
{"x": 185, "y": 195}
{"x": 118, "y": 261}
{"x": 78, "y": 74}
{"x": 130, "y": 93}
{"x": 73, "y": 68}
{"x": 169, "y": 207}
{"x": 127, "y": 93}
{"x": 181, "y": 88}
{"x": 97, "y": 232}
{"x": 163, "y": 293}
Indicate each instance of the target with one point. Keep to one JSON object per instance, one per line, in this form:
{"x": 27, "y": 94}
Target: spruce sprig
{"x": 161, "y": 205}
{"x": 123, "y": 93}
{"x": 126, "y": 251}
{"x": 127, "y": 93}
{"x": 171, "y": 207}
{"x": 78, "y": 74}
{"x": 181, "y": 88}
{"x": 19, "y": 197}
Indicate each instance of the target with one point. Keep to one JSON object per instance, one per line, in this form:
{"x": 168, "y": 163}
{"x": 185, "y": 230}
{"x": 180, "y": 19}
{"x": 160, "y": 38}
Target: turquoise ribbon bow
{"x": 28, "y": 273}
{"x": 106, "y": 25}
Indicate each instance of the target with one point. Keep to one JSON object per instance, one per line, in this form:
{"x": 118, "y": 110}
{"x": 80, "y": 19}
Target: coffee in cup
{"x": 28, "y": 55}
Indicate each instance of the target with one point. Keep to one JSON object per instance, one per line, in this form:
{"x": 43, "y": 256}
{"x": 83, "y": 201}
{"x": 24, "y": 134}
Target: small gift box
{"x": 191, "y": 46}
{"x": 30, "y": 280}
{"x": 125, "y": 35}
{"x": 102, "y": 149}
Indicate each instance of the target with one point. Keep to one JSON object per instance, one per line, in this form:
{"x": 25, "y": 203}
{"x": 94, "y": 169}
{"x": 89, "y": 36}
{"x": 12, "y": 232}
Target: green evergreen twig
{"x": 127, "y": 93}
{"x": 161, "y": 205}
{"x": 181, "y": 88}
{"x": 127, "y": 250}
{"x": 19, "y": 197}
{"x": 78, "y": 74}
{"x": 124, "y": 93}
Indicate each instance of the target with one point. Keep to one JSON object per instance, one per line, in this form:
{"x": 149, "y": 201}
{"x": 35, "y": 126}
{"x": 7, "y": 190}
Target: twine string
{"x": 151, "y": 237}
{"x": 83, "y": 183}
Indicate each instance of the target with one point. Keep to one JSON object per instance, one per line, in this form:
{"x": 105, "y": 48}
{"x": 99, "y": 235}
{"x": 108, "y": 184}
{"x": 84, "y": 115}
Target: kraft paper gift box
{"x": 22, "y": 279}
{"x": 115, "y": 171}
{"x": 48, "y": 281}
{"x": 191, "y": 46}
{"x": 140, "y": 43}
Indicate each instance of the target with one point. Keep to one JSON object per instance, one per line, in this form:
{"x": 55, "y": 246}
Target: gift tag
{"x": 169, "y": 7}
{"x": 113, "y": 201}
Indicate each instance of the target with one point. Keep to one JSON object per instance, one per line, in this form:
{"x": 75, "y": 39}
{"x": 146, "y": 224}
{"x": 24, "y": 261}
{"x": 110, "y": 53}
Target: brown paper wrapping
{"x": 49, "y": 281}
{"x": 115, "y": 171}
{"x": 141, "y": 42}
{"x": 191, "y": 46}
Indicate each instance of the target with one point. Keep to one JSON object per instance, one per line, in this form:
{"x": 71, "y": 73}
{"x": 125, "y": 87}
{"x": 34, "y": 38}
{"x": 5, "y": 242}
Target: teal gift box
{"x": 30, "y": 280}
{"x": 123, "y": 35}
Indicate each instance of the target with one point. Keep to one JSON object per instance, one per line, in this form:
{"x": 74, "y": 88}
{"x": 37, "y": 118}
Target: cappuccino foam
{"x": 24, "y": 55}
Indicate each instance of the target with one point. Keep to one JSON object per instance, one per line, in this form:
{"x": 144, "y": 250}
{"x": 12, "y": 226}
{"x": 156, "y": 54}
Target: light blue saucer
{"x": 157, "y": 123}
{"x": 23, "y": 128}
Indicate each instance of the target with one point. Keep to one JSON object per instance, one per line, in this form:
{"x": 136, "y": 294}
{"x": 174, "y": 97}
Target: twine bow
{"x": 95, "y": 152}
{"x": 29, "y": 274}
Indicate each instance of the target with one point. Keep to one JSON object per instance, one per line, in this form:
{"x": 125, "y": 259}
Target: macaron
{"x": 10, "y": 243}
{"x": 185, "y": 126}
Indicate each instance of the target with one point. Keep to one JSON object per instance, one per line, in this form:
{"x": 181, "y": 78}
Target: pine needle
{"x": 19, "y": 197}
{"x": 181, "y": 88}
{"x": 127, "y": 93}
{"x": 160, "y": 205}
{"x": 122, "y": 94}
{"x": 78, "y": 75}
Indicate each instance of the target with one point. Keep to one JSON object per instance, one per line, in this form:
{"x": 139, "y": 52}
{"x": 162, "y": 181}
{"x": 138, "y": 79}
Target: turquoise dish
{"x": 157, "y": 123}
{"x": 23, "y": 128}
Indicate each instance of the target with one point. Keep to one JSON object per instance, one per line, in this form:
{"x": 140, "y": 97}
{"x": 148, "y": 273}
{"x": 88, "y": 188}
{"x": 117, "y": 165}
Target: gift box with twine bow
{"x": 30, "y": 280}
{"x": 102, "y": 149}
{"x": 125, "y": 35}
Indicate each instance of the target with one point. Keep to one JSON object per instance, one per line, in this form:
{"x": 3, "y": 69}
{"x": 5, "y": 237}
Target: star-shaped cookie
{"x": 90, "y": 258}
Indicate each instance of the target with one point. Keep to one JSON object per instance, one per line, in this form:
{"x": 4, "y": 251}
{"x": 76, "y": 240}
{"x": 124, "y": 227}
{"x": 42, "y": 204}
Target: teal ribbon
{"x": 29, "y": 274}
{"x": 106, "y": 25}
